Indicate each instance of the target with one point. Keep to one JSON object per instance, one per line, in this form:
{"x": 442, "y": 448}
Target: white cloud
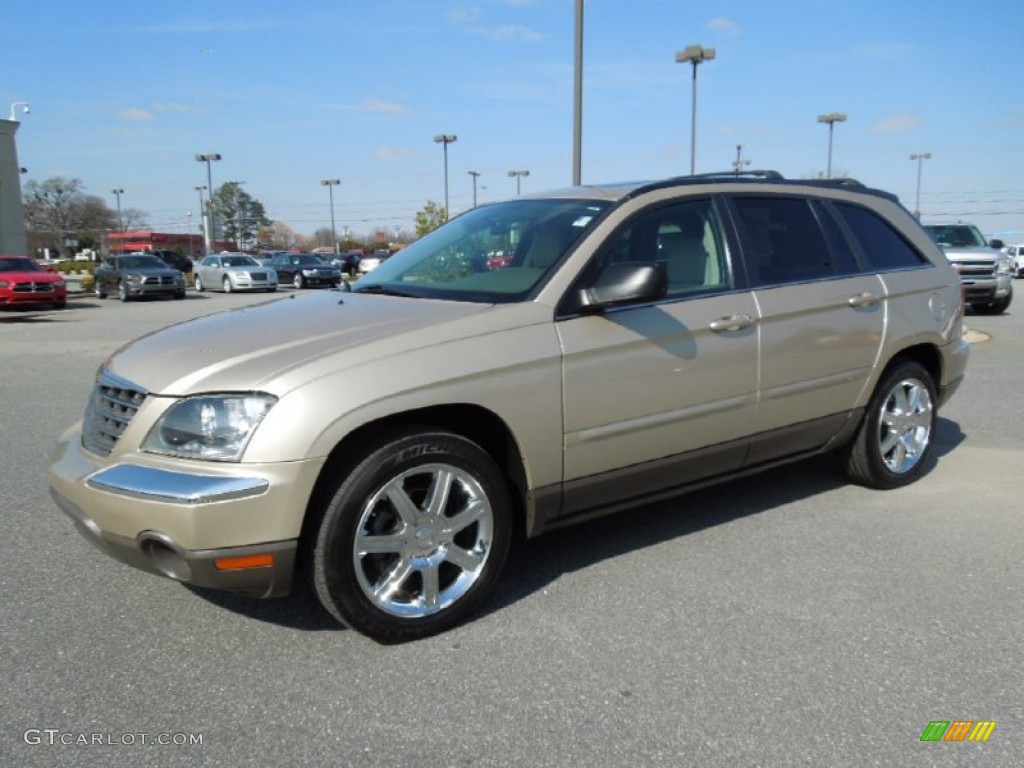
{"x": 393, "y": 155}
{"x": 514, "y": 32}
{"x": 135, "y": 114}
{"x": 897, "y": 124}
{"x": 464, "y": 14}
{"x": 387, "y": 107}
{"x": 177, "y": 108}
{"x": 726, "y": 25}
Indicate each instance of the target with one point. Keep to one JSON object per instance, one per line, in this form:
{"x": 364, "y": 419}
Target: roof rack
{"x": 764, "y": 174}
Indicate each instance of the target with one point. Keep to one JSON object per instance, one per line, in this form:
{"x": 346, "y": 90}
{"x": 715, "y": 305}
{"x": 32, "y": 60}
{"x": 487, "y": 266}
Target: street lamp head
{"x": 832, "y": 117}
{"x": 117, "y": 191}
{"x": 445, "y": 138}
{"x": 330, "y": 182}
{"x": 519, "y": 173}
{"x": 695, "y": 54}
{"x": 921, "y": 156}
{"x": 208, "y": 158}
{"x": 14, "y": 110}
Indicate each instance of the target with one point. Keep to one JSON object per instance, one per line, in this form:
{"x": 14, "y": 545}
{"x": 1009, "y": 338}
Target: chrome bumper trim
{"x": 174, "y": 487}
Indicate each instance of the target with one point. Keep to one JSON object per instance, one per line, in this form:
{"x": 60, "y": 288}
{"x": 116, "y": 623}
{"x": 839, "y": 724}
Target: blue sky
{"x": 124, "y": 94}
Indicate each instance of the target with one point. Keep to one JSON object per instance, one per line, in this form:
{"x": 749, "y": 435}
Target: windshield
{"x": 957, "y": 235}
{"x": 19, "y": 265}
{"x": 240, "y": 261}
{"x": 494, "y": 253}
{"x": 141, "y": 262}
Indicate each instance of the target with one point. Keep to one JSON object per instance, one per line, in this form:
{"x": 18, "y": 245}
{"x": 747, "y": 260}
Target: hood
{"x": 969, "y": 253}
{"x": 255, "y": 347}
{"x": 151, "y": 271}
{"x": 31, "y": 276}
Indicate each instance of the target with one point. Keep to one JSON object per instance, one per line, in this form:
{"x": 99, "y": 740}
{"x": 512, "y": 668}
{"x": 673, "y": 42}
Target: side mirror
{"x": 625, "y": 282}
{"x": 996, "y": 244}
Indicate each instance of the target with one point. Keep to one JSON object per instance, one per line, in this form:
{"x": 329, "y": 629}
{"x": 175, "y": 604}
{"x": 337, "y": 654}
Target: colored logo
{"x": 958, "y": 730}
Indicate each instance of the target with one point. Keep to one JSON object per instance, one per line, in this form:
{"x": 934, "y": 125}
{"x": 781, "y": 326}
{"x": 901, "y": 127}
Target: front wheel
{"x": 895, "y": 437}
{"x": 199, "y": 284}
{"x": 227, "y": 284}
{"x": 414, "y": 537}
{"x": 122, "y": 291}
{"x": 299, "y": 281}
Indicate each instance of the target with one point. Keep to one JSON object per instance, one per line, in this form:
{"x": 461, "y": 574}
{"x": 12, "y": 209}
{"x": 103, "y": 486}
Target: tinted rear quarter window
{"x": 883, "y": 247}
{"x": 783, "y": 240}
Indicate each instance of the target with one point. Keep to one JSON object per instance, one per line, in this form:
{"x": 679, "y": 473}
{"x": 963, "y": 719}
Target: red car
{"x": 23, "y": 283}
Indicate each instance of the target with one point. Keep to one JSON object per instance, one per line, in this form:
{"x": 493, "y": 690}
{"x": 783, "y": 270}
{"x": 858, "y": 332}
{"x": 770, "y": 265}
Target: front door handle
{"x": 732, "y": 323}
{"x": 863, "y": 300}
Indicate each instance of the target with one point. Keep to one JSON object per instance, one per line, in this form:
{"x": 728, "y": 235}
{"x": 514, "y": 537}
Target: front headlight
{"x": 210, "y": 427}
{"x": 133, "y": 278}
{"x": 309, "y": 272}
{"x": 242, "y": 275}
{"x": 1004, "y": 266}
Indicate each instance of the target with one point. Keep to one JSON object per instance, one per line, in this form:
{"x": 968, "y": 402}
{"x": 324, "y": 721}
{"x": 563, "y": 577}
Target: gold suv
{"x": 529, "y": 364}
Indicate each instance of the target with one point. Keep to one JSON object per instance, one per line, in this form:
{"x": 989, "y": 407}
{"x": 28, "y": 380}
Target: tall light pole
{"x": 238, "y": 214}
{"x": 331, "y": 184}
{"x": 445, "y": 139}
{"x": 191, "y": 237}
{"x": 577, "y": 102}
{"x": 211, "y": 227}
{"x": 518, "y": 176}
{"x": 475, "y": 175}
{"x": 920, "y": 157}
{"x": 202, "y": 217}
{"x": 694, "y": 54}
{"x": 831, "y": 118}
{"x": 117, "y": 193}
{"x": 739, "y": 163}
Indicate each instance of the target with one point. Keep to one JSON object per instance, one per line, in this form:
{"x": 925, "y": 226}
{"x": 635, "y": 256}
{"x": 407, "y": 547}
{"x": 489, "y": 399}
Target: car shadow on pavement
{"x": 536, "y": 563}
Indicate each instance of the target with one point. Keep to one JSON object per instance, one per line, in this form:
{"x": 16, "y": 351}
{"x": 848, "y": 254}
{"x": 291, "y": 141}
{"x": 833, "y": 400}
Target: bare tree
{"x": 58, "y": 210}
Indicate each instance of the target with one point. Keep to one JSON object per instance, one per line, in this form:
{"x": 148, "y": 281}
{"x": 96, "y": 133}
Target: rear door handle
{"x": 863, "y": 300}
{"x": 732, "y": 323}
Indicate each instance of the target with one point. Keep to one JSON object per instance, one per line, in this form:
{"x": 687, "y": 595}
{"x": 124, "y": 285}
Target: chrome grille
{"x": 111, "y": 408}
{"x": 258, "y": 275}
{"x": 981, "y": 268}
{"x": 33, "y": 287}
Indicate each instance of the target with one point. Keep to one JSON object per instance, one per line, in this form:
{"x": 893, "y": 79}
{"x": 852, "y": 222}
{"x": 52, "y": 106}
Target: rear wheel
{"x": 414, "y": 537}
{"x": 895, "y": 437}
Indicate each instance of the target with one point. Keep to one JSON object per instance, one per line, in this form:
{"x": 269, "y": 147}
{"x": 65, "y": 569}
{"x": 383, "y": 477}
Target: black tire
{"x": 894, "y": 441}
{"x": 447, "y": 571}
{"x": 272, "y": 289}
{"x": 99, "y": 292}
{"x": 122, "y": 292}
{"x": 299, "y": 281}
{"x": 179, "y": 295}
{"x": 199, "y": 284}
{"x": 227, "y": 284}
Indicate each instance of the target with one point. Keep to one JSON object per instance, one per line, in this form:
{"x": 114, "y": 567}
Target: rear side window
{"x": 783, "y": 241}
{"x": 884, "y": 247}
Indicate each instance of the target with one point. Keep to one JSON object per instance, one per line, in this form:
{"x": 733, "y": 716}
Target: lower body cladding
{"x": 164, "y": 521}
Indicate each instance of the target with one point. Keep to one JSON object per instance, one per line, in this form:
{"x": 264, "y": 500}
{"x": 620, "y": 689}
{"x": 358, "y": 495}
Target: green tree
{"x": 239, "y": 215}
{"x": 430, "y": 217}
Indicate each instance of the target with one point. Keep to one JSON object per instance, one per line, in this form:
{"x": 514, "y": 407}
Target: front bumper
{"x": 985, "y": 290}
{"x": 227, "y": 527}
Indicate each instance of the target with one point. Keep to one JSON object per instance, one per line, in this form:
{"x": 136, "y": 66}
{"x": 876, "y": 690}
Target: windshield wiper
{"x": 385, "y": 291}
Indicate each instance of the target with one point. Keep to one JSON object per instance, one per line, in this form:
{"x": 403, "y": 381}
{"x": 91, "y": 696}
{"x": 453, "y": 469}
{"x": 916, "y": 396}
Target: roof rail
{"x": 764, "y": 174}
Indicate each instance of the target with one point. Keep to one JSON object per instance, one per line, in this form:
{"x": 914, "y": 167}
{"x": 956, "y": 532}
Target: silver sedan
{"x": 234, "y": 272}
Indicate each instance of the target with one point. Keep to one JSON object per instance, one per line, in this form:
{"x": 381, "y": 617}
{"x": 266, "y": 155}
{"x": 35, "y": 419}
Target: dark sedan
{"x": 135, "y": 275}
{"x": 304, "y": 270}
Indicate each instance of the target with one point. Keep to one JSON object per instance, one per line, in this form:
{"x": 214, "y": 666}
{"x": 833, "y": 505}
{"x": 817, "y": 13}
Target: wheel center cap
{"x": 425, "y": 536}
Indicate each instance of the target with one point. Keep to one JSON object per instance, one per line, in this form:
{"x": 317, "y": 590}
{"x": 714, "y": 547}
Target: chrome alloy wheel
{"x": 905, "y": 425}
{"x": 423, "y": 540}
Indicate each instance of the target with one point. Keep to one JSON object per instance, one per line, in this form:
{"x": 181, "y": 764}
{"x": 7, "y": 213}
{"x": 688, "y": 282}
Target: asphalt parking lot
{"x": 788, "y": 620}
